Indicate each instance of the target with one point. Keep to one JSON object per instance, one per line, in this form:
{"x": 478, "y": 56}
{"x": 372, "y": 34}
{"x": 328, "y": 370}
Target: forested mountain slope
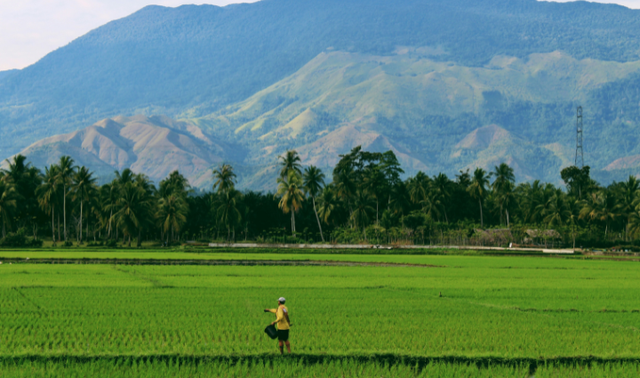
{"x": 4, "y": 74}
{"x": 440, "y": 116}
{"x": 202, "y": 63}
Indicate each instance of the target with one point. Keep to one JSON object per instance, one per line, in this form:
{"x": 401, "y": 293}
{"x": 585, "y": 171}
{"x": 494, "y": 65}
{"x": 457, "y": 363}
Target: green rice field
{"x": 441, "y": 316}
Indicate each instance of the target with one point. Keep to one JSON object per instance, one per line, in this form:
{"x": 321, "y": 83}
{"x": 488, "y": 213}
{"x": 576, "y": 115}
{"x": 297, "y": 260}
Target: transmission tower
{"x": 579, "y": 152}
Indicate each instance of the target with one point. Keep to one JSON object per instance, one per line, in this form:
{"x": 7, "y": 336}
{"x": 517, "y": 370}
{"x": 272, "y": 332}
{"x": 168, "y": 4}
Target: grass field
{"x": 470, "y": 316}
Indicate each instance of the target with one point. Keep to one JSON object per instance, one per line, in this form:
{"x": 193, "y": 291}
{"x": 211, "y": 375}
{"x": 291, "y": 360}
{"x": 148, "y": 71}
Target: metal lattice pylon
{"x": 579, "y": 151}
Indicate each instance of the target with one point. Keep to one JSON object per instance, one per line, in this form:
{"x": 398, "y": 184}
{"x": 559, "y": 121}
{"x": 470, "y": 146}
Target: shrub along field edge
{"x": 205, "y": 262}
{"x": 297, "y": 251}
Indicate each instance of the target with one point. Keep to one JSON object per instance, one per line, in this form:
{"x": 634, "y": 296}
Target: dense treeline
{"x": 366, "y": 200}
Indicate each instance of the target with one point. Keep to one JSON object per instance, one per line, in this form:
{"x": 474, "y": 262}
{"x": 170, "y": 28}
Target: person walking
{"x": 283, "y": 324}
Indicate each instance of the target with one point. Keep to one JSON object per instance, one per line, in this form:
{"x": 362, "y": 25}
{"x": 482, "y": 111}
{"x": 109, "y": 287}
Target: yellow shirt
{"x": 281, "y": 320}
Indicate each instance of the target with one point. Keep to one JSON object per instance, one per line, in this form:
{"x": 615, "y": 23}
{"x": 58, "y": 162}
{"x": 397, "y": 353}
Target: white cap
{"x": 281, "y": 300}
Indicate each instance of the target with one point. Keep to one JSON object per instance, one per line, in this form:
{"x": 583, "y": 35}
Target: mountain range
{"x": 447, "y": 85}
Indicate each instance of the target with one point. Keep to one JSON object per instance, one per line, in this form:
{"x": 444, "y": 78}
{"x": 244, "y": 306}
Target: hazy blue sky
{"x": 29, "y": 29}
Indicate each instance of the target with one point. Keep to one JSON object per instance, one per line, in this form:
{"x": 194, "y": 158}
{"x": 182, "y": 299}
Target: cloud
{"x": 30, "y": 29}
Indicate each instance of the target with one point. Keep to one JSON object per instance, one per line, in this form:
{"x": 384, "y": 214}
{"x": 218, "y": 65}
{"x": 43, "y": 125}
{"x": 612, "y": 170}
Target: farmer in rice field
{"x": 283, "y": 323}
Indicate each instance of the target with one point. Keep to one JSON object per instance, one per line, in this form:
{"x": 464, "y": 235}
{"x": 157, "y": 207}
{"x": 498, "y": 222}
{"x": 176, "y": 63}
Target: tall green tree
{"x": 65, "y": 173}
{"x": 48, "y": 194}
{"x": 442, "y": 186}
{"x": 176, "y": 184}
{"x": 531, "y": 201}
{"x": 478, "y": 189}
{"x": 109, "y": 196}
{"x": 84, "y": 189}
{"x": 431, "y": 205}
{"x": 125, "y": 176}
{"x": 390, "y": 167}
{"x": 313, "y": 182}
{"x": 627, "y": 199}
{"x": 578, "y": 180}
{"x": 172, "y": 214}
{"x": 376, "y": 184}
{"x": 225, "y": 179}
{"x": 419, "y": 187}
{"x": 345, "y": 187}
{"x": 26, "y": 180}
{"x": 8, "y": 204}
{"x": 228, "y": 211}
{"x": 363, "y": 207}
{"x": 135, "y": 210}
{"x": 557, "y": 211}
{"x": 599, "y": 206}
{"x": 503, "y": 188}
{"x": 290, "y": 192}
{"x": 400, "y": 200}
{"x": 289, "y": 162}
{"x": 328, "y": 204}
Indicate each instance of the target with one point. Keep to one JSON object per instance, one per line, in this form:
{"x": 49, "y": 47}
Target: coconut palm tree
{"x": 478, "y": 189}
{"x": 442, "y": 186}
{"x": 228, "y": 212}
{"x": 175, "y": 183}
{"x": 530, "y": 197}
{"x": 601, "y": 207}
{"x": 506, "y": 198}
{"x": 400, "y": 200}
{"x": 627, "y": 199}
{"x": 147, "y": 191}
{"x": 431, "y": 205}
{"x": 345, "y": 187}
{"x": 557, "y": 211}
{"x": 8, "y": 204}
{"x": 17, "y": 174}
{"x": 144, "y": 182}
{"x": 290, "y": 161}
{"x": 109, "y": 195}
{"x": 503, "y": 176}
{"x": 313, "y": 182}
{"x": 65, "y": 173}
{"x": 503, "y": 188}
{"x": 634, "y": 222}
{"x": 84, "y": 189}
{"x": 362, "y": 207}
{"x": 291, "y": 196}
{"x": 125, "y": 176}
{"x": 172, "y": 214}
{"x": 26, "y": 180}
{"x": 135, "y": 210}
{"x": 225, "y": 178}
{"x": 328, "y": 202}
{"x": 419, "y": 187}
{"x": 375, "y": 183}
{"x": 47, "y": 194}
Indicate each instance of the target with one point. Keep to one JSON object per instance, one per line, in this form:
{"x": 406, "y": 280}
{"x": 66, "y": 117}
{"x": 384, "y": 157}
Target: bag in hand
{"x": 271, "y": 331}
